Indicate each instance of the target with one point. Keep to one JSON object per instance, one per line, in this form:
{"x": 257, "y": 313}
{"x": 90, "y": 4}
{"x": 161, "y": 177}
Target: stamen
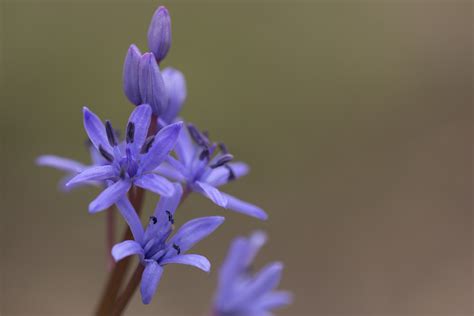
{"x": 130, "y": 132}
{"x": 231, "y": 173}
{"x": 222, "y": 161}
{"x": 153, "y": 219}
{"x": 122, "y": 173}
{"x": 196, "y": 135}
{"x": 108, "y": 156}
{"x": 170, "y": 217}
{"x": 178, "y": 250}
{"x": 110, "y": 134}
{"x": 204, "y": 154}
{"x": 223, "y": 148}
{"x": 147, "y": 144}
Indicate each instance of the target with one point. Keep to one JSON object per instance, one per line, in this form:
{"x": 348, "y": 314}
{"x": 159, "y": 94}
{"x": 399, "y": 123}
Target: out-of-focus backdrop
{"x": 355, "y": 116}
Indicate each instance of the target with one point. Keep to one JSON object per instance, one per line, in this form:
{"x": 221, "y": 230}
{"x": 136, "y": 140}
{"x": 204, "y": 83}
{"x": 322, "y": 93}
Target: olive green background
{"x": 355, "y": 116}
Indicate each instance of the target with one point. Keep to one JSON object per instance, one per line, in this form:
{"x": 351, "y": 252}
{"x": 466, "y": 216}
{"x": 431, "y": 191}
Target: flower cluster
{"x": 164, "y": 155}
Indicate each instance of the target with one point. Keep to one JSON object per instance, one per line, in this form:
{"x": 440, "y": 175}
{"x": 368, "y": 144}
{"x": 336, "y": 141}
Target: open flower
{"x": 154, "y": 247}
{"x": 131, "y": 164}
{"x": 204, "y": 166}
{"x": 239, "y": 292}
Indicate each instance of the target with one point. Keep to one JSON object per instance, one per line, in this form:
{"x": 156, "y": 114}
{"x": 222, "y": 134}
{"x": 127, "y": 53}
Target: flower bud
{"x": 159, "y": 33}
{"x": 176, "y": 88}
{"x": 130, "y": 75}
{"x": 151, "y": 85}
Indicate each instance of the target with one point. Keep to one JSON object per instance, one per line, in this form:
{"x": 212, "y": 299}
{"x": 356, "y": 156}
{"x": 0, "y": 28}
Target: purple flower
{"x": 203, "y": 167}
{"x": 72, "y": 167}
{"x": 159, "y": 33}
{"x": 175, "y": 84}
{"x": 240, "y": 293}
{"x": 130, "y": 164}
{"x": 154, "y": 247}
{"x": 143, "y": 82}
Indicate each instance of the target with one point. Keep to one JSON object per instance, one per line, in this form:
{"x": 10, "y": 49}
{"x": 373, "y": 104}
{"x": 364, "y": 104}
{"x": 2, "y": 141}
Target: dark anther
{"x": 108, "y": 156}
{"x": 153, "y": 219}
{"x": 222, "y": 160}
{"x": 204, "y": 154}
{"x": 122, "y": 173}
{"x": 170, "y": 217}
{"x": 147, "y": 144}
{"x": 206, "y": 133}
{"x": 130, "y": 132}
{"x": 196, "y": 135}
{"x": 178, "y": 250}
{"x": 110, "y": 134}
{"x": 223, "y": 148}
{"x": 231, "y": 173}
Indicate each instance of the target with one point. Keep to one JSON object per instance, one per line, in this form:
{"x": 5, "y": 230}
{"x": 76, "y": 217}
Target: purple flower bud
{"x": 176, "y": 88}
{"x": 130, "y": 75}
{"x": 151, "y": 84}
{"x": 159, "y": 33}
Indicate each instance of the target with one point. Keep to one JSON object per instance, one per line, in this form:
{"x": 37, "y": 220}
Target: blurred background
{"x": 355, "y": 116}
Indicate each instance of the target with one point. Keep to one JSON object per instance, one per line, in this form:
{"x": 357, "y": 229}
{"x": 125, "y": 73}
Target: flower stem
{"x": 128, "y": 292}
{"x": 117, "y": 275}
{"x": 110, "y": 236}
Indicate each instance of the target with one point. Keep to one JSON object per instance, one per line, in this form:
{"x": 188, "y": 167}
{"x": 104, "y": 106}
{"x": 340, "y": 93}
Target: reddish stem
{"x": 110, "y": 236}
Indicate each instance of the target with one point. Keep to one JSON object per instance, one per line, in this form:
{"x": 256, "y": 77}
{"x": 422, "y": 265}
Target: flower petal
{"x": 185, "y": 148}
{"x": 165, "y": 169}
{"x": 176, "y": 87}
{"x": 130, "y": 216}
{"x": 165, "y": 140}
{"x": 197, "y": 261}
{"x": 60, "y": 163}
{"x": 275, "y": 300}
{"x": 127, "y": 248}
{"x": 212, "y": 193}
{"x": 95, "y": 129}
{"x": 151, "y": 84}
{"x": 224, "y": 174}
{"x": 240, "y": 206}
{"x": 159, "y": 33}
{"x": 141, "y": 118}
{"x": 109, "y": 196}
{"x": 130, "y": 75}
{"x": 94, "y": 173}
{"x": 150, "y": 278}
{"x": 156, "y": 184}
{"x": 192, "y": 232}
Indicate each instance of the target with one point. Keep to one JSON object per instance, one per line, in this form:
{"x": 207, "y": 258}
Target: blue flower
{"x": 143, "y": 81}
{"x": 240, "y": 293}
{"x": 159, "y": 33}
{"x": 203, "y": 167}
{"x": 130, "y": 164}
{"x": 154, "y": 247}
{"x": 72, "y": 167}
{"x": 175, "y": 84}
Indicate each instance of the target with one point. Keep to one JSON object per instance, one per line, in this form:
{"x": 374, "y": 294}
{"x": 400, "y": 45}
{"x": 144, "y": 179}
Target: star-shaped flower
{"x": 154, "y": 247}
{"x": 239, "y": 292}
{"x": 131, "y": 164}
{"x": 204, "y": 166}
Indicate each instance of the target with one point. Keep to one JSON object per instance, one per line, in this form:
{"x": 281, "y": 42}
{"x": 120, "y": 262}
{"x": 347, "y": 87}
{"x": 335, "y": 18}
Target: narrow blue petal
{"x": 185, "y": 149}
{"x": 127, "y": 248}
{"x": 141, "y": 118}
{"x": 169, "y": 204}
{"x": 151, "y": 84}
{"x": 150, "y": 278}
{"x": 222, "y": 175}
{"x": 155, "y": 183}
{"x": 95, "y": 129}
{"x": 168, "y": 171}
{"x": 194, "y": 231}
{"x": 109, "y": 196}
{"x": 243, "y": 207}
{"x": 266, "y": 280}
{"x": 130, "y": 75}
{"x": 94, "y": 173}
{"x": 254, "y": 244}
{"x": 131, "y": 217}
{"x": 60, "y": 163}
{"x": 176, "y": 87}
{"x": 197, "y": 261}
{"x": 212, "y": 193}
{"x": 165, "y": 140}
{"x": 159, "y": 33}
{"x": 275, "y": 300}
